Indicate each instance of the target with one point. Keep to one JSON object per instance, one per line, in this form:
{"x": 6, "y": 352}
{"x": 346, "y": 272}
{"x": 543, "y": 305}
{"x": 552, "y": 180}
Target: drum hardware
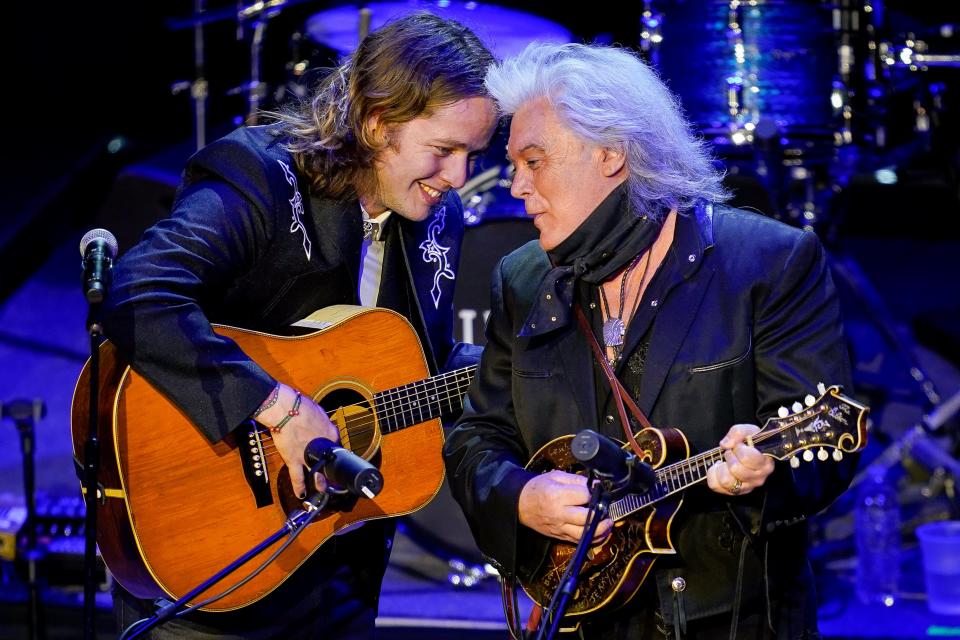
{"x": 258, "y": 15}
{"x": 198, "y": 87}
{"x": 650, "y": 35}
{"x": 915, "y": 55}
{"x": 482, "y": 194}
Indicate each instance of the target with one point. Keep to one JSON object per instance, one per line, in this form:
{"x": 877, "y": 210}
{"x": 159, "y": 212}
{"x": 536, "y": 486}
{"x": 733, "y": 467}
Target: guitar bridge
{"x": 255, "y": 465}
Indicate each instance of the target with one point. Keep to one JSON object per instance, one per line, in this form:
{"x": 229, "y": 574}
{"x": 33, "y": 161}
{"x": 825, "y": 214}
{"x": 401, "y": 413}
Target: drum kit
{"x": 795, "y": 96}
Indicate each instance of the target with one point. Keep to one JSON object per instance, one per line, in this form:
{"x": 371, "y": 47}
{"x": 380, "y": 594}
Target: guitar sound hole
{"x": 353, "y": 414}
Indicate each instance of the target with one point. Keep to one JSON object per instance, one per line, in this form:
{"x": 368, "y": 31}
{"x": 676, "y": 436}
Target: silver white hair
{"x": 611, "y": 99}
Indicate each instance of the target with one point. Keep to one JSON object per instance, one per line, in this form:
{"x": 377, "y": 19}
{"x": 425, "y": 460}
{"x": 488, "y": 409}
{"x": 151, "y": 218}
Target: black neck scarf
{"x": 603, "y": 244}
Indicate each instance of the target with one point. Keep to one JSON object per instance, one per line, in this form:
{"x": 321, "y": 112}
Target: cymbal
{"x": 236, "y": 14}
{"x": 504, "y": 30}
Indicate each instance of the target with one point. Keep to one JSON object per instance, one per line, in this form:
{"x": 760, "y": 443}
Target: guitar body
{"x": 178, "y": 509}
{"x": 615, "y": 568}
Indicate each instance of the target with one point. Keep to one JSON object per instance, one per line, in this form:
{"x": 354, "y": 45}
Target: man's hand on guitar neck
{"x": 311, "y": 422}
{"x": 553, "y": 504}
{"x": 743, "y": 468}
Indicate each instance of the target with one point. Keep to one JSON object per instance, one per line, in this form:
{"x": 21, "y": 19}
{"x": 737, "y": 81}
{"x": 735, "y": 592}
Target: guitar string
{"x": 387, "y": 406}
{"x": 457, "y": 380}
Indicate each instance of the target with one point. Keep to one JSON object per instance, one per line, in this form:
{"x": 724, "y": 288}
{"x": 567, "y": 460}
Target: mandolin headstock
{"x": 824, "y": 427}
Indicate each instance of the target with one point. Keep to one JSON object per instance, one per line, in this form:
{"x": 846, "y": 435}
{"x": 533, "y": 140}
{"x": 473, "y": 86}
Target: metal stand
{"x": 91, "y": 485}
{"x": 25, "y": 414}
{"x": 199, "y": 87}
{"x": 293, "y": 526}
{"x": 553, "y": 613}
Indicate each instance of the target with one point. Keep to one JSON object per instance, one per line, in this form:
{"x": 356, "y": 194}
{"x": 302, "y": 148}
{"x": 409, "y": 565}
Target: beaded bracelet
{"x": 272, "y": 400}
{"x": 295, "y": 411}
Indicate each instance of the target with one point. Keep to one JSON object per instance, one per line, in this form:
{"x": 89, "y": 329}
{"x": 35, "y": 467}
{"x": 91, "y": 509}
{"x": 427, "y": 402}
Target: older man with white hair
{"x": 711, "y": 318}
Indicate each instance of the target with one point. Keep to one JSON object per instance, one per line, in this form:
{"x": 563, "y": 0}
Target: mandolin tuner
{"x": 808, "y": 455}
{"x": 797, "y": 407}
{"x": 783, "y": 412}
{"x": 795, "y": 462}
{"x": 822, "y": 454}
{"x": 837, "y": 455}
{"x": 809, "y": 400}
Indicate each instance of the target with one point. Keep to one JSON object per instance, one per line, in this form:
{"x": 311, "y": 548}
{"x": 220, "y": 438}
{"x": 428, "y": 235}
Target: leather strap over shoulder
{"x": 620, "y": 394}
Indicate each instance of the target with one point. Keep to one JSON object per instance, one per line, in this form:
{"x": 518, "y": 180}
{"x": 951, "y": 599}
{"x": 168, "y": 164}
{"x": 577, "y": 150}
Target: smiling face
{"x": 560, "y": 179}
{"x": 427, "y": 156}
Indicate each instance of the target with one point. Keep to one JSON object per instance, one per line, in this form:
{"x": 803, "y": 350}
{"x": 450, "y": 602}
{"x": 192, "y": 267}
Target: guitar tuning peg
{"x": 797, "y": 407}
{"x": 837, "y": 455}
{"x": 808, "y": 455}
{"x": 794, "y": 462}
{"x": 821, "y": 388}
{"x": 822, "y": 454}
{"x": 783, "y": 412}
{"x": 809, "y": 400}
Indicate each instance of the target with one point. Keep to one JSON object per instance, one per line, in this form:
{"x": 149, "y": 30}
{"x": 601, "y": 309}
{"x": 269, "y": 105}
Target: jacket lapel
{"x": 669, "y": 332}
{"x": 681, "y": 301}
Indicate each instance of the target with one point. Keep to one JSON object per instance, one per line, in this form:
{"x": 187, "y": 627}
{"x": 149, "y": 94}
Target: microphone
{"x": 620, "y": 469}
{"x": 343, "y": 468}
{"x": 98, "y": 248}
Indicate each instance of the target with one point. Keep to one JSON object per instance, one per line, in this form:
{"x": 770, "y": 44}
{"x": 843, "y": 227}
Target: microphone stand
{"x": 91, "y": 470}
{"x": 597, "y": 508}
{"x": 25, "y": 415}
{"x": 294, "y": 524}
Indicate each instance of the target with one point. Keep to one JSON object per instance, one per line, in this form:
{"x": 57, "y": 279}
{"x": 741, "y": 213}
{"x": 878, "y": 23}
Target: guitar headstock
{"x": 831, "y": 421}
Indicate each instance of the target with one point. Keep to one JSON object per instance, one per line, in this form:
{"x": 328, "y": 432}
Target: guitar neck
{"x": 417, "y": 402}
{"x": 669, "y": 480}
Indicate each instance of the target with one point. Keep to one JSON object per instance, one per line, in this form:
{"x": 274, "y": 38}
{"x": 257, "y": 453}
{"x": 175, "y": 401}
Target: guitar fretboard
{"x": 417, "y": 402}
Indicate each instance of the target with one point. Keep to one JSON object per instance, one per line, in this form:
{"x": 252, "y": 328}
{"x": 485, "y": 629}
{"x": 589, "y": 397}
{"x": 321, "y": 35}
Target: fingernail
{"x": 303, "y": 495}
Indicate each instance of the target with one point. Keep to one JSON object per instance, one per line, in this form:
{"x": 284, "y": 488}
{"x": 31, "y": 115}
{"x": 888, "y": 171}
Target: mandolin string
{"x": 677, "y": 468}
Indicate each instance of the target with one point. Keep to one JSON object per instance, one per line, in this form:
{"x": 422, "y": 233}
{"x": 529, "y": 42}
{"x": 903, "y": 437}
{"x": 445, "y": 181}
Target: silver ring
{"x": 735, "y": 489}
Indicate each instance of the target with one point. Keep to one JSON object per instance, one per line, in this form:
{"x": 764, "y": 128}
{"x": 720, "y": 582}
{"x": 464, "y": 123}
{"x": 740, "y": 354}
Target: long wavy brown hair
{"x": 402, "y": 71}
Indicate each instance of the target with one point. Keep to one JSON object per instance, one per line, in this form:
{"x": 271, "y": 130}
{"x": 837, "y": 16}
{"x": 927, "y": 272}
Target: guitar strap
{"x": 620, "y": 394}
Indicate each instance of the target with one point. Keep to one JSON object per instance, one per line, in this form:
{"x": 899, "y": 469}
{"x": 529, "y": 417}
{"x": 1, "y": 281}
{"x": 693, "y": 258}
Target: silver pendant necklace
{"x": 614, "y": 327}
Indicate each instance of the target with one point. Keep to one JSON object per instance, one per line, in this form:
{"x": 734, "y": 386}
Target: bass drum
{"x": 767, "y": 66}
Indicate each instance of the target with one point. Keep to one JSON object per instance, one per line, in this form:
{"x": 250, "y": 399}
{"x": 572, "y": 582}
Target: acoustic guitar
{"x": 826, "y": 428}
{"x": 174, "y": 509}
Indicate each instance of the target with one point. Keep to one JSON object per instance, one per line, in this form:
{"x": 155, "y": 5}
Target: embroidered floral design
{"x": 433, "y": 251}
{"x": 296, "y": 209}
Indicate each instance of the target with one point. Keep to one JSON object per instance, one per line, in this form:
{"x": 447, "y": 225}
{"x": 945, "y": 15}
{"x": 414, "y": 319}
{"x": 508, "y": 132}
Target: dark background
{"x": 95, "y": 137}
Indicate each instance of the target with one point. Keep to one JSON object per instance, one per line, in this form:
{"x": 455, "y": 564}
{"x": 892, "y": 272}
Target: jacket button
{"x": 678, "y": 584}
{"x": 609, "y": 419}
